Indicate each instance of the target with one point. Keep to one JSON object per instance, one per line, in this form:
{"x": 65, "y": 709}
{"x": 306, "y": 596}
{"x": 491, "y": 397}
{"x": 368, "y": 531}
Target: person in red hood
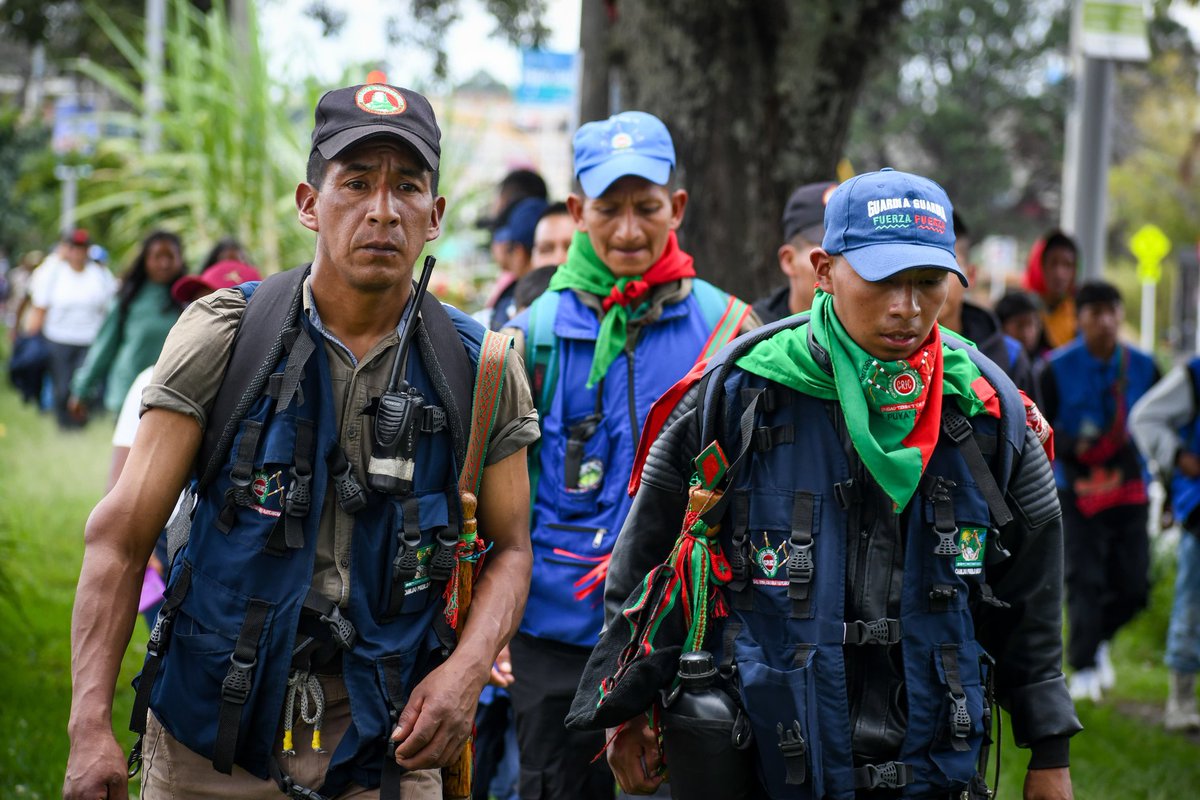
{"x": 1050, "y": 274}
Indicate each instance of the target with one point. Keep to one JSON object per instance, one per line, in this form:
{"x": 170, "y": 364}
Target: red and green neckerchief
{"x": 585, "y": 272}
{"x": 892, "y": 409}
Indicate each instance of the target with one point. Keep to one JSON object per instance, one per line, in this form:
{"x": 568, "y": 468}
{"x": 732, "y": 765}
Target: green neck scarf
{"x": 585, "y": 272}
{"x": 892, "y": 409}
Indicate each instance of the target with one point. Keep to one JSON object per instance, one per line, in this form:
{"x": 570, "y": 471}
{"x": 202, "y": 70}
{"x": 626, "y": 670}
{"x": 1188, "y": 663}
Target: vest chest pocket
{"x": 782, "y": 706}
{"x": 415, "y": 570}
{"x": 774, "y": 547}
{"x": 584, "y": 460}
{"x": 270, "y": 493}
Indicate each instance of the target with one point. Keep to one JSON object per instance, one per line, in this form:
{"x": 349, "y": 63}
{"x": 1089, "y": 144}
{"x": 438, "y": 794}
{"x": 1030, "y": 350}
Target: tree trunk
{"x": 758, "y": 96}
{"x": 594, "y": 30}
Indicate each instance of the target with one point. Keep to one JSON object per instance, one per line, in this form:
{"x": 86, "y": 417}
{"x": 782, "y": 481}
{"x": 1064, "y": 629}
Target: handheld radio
{"x": 398, "y": 413}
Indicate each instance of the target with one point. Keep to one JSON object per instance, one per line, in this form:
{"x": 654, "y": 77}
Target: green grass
{"x": 49, "y": 481}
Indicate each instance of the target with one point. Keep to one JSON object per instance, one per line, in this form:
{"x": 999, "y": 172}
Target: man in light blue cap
{"x": 624, "y": 318}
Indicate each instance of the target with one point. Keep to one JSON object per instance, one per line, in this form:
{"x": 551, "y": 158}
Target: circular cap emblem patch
{"x": 621, "y": 141}
{"x": 904, "y": 384}
{"x": 376, "y": 98}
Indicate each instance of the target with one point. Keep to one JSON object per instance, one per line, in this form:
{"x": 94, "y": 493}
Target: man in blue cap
{"x": 882, "y": 535}
{"x": 512, "y": 247}
{"x": 624, "y": 318}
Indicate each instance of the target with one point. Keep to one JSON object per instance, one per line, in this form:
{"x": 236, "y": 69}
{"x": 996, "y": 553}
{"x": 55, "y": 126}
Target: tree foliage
{"x": 973, "y": 94}
{"x": 232, "y": 146}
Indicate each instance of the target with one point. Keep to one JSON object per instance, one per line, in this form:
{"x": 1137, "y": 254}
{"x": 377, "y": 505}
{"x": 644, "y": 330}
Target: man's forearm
{"x": 101, "y": 623}
{"x": 496, "y": 608}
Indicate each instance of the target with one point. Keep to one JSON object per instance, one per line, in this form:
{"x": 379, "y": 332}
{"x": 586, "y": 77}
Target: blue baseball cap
{"x": 889, "y": 221}
{"x": 629, "y": 143}
{"x": 520, "y": 222}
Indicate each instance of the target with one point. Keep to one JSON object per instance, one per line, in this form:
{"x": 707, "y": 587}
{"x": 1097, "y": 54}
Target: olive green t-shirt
{"x": 192, "y": 364}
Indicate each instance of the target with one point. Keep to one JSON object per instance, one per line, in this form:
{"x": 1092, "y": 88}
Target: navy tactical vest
{"x": 237, "y": 589}
{"x": 786, "y": 534}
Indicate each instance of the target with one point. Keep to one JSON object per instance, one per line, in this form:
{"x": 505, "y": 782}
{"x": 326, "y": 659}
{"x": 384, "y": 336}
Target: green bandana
{"x": 892, "y": 408}
{"x": 585, "y": 272}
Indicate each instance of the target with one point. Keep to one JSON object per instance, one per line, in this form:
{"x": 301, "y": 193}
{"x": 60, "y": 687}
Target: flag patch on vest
{"x": 269, "y": 492}
{"x": 420, "y": 581}
{"x": 972, "y": 542}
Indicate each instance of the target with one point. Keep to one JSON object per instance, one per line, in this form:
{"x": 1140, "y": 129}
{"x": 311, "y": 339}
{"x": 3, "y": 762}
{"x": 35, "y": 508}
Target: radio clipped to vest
{"x": 401, "y": 412}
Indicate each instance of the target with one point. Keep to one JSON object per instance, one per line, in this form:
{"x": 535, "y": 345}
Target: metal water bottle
{"x": 705, "y": 736}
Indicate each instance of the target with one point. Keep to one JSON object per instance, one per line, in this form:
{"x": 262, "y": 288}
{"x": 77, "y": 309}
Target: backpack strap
{"x": 541, "y": 349}
{"x": 449, "y": 368}
{"x": 541, "y": 363}
{"x": 272, "y": 307}
{"x": 723, "y": 313}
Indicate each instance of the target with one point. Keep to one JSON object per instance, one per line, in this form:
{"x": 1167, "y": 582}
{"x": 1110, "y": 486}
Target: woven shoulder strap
{"x": 489, "y": 381}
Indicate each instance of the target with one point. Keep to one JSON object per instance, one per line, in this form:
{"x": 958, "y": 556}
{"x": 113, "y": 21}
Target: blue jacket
{"x": 1080, "y": 399}
{"x": 243, "y": 579}
{"x": 576, "y": 516}
{"x": 1185, "y": 491}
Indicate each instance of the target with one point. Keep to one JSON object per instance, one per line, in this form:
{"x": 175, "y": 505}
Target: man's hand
{"x": 77, "y": 409}
{"x": 634, "y": 756}
{"x": 502, "y": 674}
{"x": 1048, "y": 784}
{"x": 438, "y": 717}
{"x": 96, "y": 768}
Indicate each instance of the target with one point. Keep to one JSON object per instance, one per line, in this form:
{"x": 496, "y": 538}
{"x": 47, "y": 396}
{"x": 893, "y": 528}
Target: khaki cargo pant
{"x": 173, "y": 772}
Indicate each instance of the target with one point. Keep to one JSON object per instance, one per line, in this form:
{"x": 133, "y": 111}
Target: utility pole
{"x": 1102, "y": 32}
{"x": 594, "y": 89}
{"x": 152, "y": 94}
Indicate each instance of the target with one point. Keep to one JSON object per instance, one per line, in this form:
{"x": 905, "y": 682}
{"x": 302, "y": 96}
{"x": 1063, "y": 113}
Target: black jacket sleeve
{"x": 1026, "y": 637}
{"x": 653, "y": 522}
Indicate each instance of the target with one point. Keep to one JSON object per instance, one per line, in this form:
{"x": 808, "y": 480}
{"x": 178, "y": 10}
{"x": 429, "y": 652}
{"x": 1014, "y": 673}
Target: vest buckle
{"x": 877, "y": 631}
{"x": 794, "y": 748}
{"x": 236, "y": 686}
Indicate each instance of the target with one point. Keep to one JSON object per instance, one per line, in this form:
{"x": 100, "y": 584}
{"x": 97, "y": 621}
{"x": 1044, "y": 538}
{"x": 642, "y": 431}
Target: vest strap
{"x": 988, "y": 596}
{"x": 299, "y": 496}
{"x": 445, "y": 554}
{"x": 891, "y": 775}
{"x": 941, "y": 596}
{"x": 235, "y": 689}
{"x": 739, "y": 555}
{"x": 406, "y": 563}
{"x": 393, "y": 687}
{"x": 795, "y": 752}
{"x": 288, "y": 785}
{"x": 765, "y": 438}
{"x": 960, "y": 718}
{"x": 800, "y": 564}
{"x": 275, "y": 388}
{"x": 156, "y": 648}
{"x": 298, "y": 354}
{"x": 876, "y": 631}
{"x": 728, "y": 637}
{"x": 958, "y": 428}
{"x": 937, "y": 489}
{"x": 350, "y": 493}
{"x": 238, "y": 494}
